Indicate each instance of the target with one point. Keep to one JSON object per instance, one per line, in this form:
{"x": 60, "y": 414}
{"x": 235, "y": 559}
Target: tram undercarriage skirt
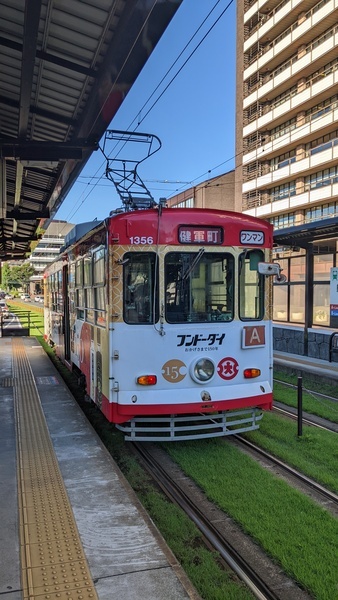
{"x": 190, "y": 427}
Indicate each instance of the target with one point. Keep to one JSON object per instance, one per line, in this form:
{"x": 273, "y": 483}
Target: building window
{"x": 282, "y": 221}
{"x": 289, "y": 298}
{"x": 186, "y": 203}
{"x": 278, "y": 162}
{"x": 284, "y": 128}
{"x": 325, "y": 211}
{"x": 283, "y": 191}
{"x": 322, "y": 264}
{"x": 321, "y": 178}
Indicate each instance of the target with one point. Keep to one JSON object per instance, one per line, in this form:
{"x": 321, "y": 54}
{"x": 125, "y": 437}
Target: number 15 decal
{"x": 171, "y": 371}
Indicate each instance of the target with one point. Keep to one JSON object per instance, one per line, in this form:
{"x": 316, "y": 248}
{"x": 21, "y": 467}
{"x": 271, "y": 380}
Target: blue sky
{"x": 194, "y": 118}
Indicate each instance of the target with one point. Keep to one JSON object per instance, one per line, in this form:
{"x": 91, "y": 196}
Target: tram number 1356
{"x": 141, "y": 240}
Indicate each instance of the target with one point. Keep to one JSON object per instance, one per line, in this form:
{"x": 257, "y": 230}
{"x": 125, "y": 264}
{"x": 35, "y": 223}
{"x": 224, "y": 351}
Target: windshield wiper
{"x": 193, "y": 264}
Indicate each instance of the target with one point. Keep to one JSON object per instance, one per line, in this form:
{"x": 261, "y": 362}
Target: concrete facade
{"x": 216, "y": 193}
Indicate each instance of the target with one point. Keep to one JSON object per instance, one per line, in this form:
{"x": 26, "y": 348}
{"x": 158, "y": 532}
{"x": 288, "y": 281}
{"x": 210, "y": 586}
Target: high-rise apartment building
{"x": 287, "y": 138}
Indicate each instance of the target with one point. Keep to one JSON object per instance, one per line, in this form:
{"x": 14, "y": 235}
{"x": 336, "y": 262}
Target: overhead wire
{"x": 74, "y": 211}
{"x": 161, "y": 95}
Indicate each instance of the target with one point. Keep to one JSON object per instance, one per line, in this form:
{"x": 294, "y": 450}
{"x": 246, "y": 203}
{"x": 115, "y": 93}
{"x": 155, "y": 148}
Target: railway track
{"x": 312, "y": 420}
{"x": 319, "y": 493}
{"x": 312, "y": 392}
{"x": 237, "y": 551}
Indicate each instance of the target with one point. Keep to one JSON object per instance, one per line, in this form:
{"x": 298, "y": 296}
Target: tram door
{"x": 66, "y": 324}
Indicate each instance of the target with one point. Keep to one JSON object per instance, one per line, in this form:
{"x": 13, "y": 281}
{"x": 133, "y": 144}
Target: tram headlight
{"x": 202, "y": 370}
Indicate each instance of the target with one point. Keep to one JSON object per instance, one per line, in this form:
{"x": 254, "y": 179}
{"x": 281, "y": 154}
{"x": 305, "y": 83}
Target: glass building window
{"x": 297, "y": 303}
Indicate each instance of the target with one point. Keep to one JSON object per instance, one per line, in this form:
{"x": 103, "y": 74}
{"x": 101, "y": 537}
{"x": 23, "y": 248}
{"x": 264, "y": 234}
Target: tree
{"x": 21, "y": 274}
{"x": 5, "y": 275}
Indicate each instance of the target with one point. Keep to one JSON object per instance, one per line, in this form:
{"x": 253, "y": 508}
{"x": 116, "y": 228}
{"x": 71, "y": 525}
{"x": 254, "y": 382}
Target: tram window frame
{"x": 248, "y": 265}
{"x": 99, "y": 284}
{"x": 89, "y": 304}
{"x": 99, "y": 267}
{"x": 100, "y": 303}
{"x": 87, "y": 270}
{"x": 71, "y": 275}
{"x": 199, "y": 288}
{"x": 80, "y": 304}
{"x": 79, "y": 273}
{"x": 59, "y": 297}
{"x": 138, "y": 302}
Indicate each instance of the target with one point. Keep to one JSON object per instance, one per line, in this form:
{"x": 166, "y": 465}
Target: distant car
{"x": 8, "y": 296}
{"x": 3, "y": 308}
{"x": 38, "y": 299}
{"x": 25, "y": 297}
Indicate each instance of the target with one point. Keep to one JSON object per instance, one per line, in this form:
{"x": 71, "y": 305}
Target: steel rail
{"x": 303, "y": 478}
{"x": 245, "y": 573}
{"x": 305, "y": 420}
{"x": 331, "y": 398}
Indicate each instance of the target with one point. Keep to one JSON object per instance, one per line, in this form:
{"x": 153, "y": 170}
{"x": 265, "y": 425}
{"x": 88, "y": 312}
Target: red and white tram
{"x": 166, "y": 313}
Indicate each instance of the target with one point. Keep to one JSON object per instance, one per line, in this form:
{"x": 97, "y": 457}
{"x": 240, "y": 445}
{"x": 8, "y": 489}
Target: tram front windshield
{"x": 199, "y": 287}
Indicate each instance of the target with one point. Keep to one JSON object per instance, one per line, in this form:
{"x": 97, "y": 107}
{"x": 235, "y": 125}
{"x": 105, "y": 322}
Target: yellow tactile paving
{"x": 54, "y": 566}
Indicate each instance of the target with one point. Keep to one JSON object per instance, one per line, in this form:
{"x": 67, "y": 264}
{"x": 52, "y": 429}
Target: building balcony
{"x": 322, "y": 193}
{"x": 321, "y": 15}
{"x": 46, "y": 249}
{"x": 41, "y": 259}
{"x": 322, "y": 157}
{"x": 282, "y": 15}
{"x": 316, "y": 123}
{"x": 293, "y": 68}
{"x": 294, "y": 104}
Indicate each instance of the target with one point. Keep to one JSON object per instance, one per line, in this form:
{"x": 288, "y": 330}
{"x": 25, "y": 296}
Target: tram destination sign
{"x": 190, "y": 234}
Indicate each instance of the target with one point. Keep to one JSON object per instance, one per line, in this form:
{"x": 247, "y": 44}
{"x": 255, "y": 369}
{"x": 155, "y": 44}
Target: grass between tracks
{"x": 292, "y": 529}
{"x": 315, "y": 405}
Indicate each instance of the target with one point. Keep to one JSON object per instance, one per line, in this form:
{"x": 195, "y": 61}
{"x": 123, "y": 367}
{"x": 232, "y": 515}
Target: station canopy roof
{"x": 65, "y": 68}
{"x": 303, "y": 236}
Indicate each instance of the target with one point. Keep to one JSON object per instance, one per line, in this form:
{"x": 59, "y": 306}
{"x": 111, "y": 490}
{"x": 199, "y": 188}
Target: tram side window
{"x": 80, "y": 304}
{"x": 79, "y": 273}
{"x": 199, "y": 287}
{"x": 99, "y": 286}
{"x": 59, "y": 307}
{"x": 251, "y": 286}
{"x": 89, "y": 300}
{"x": 140, "y": 288}
{"x": 87, "y": 271}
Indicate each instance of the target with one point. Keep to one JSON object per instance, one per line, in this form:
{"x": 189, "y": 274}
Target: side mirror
{"x": 271, "y": 269}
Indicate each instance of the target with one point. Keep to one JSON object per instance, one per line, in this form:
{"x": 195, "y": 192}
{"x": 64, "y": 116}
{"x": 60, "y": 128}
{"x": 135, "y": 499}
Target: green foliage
{"x": 19, "y": 275}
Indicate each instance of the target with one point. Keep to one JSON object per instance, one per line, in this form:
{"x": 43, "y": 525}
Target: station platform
{"x": 71, "y": 526}
{"x": 304, "y": 364}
